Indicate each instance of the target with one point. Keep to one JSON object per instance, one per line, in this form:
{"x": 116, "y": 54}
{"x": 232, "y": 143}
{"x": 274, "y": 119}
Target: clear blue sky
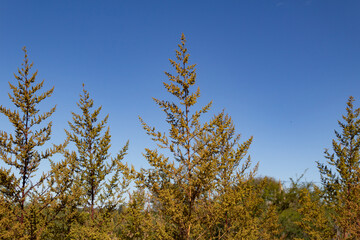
{"x": 282, "y": 69}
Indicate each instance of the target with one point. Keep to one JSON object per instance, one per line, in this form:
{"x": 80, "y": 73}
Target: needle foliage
{"x": 201, "y": 183}
{"x": 100, "y": 175}
{"x": 26, "y": 195}
{"x": 340, "y": 175}
{"x": 202, "y": 175}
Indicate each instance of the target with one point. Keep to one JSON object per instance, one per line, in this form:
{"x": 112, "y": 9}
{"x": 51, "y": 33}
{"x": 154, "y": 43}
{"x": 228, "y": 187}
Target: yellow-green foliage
{"x": 204, "y": 176}
{"x": 200, "y": 184}
{"x": 135, "y": 220}
{"x": 315, "y": 221}
{"x": 340, "y": 175}
{"x": 99, "y": 175}
{"x": 10, "y": 228}
{"x": 25, "y": 197}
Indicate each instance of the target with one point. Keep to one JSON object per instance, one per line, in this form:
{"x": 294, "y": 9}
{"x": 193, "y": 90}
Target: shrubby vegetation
{"x": 201, "y": 183}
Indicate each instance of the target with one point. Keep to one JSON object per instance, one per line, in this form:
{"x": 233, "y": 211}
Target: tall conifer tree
{"x": 340, "y": 175}
{"x": 100, "y": 175}
{"x": 204, "y": 157}
{"x": 25, "y": 196}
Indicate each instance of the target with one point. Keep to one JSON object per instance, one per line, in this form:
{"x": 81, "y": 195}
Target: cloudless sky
{"x": 283, "y": 69}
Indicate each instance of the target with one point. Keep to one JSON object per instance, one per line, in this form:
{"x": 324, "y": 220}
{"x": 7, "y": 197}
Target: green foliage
{"x": 241, "y": 213}
{"x": 288, "y": 206}
{"x": 315, "y": 221}
{"x": 135, "y": 219}
{"x": 294, "y": 204}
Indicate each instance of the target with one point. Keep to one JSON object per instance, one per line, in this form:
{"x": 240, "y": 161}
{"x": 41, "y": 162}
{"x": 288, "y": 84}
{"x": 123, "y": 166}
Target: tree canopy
{"x": 200, "y": 184}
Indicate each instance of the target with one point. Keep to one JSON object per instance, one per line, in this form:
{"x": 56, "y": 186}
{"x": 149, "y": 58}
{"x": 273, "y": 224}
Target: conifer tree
{"x": 340, "y": 175}
{"x": 100, "y": 175}
{"x": 204, "y": 157}
{"x": 26, "y": 197}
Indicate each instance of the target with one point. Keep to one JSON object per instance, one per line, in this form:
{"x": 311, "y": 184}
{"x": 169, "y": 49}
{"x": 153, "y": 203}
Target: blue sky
{"x": 282, "y": 69}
